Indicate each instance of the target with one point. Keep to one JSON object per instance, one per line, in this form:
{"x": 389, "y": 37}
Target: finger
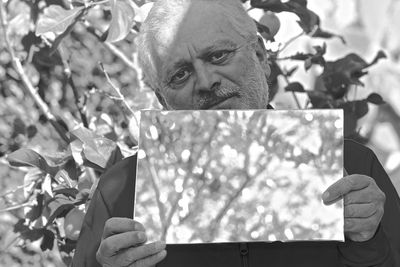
{"x": 344, "y": 186}
{"x": 362, "y": 225}
{"x": 365, "y": 210}
{"x": 120, "y": 225}
{"x": 115, "y": 243}
{"x": 139, "y": 253}
{"x": 363, "y": 196}
{"x": 151, "y": 261}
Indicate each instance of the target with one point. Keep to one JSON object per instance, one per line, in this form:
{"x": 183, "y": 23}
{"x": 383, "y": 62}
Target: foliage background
{"x": 87, "y": 110}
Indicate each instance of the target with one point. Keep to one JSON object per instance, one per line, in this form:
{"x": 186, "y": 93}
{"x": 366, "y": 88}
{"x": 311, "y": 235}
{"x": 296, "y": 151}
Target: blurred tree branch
{"x": 113, "y": 49}
{"x": 68, "y": 76}
{"x": 190, "y": 165}
{"x": 26, "y": 81}
{"x": 120, "y": 97}
{"x": 154, "y": 178}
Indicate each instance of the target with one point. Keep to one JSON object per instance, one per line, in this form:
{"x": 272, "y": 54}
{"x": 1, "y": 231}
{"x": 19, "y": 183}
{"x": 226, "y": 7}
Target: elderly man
{"x": 205, "y": 54}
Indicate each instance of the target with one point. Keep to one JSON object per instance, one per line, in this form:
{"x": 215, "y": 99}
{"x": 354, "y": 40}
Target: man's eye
{"x": 219, "y": 56}
{"x": 180, "y": 76}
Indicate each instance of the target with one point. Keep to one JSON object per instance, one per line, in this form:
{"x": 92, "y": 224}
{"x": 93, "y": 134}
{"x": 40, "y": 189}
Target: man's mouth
{"x": 217, "y": 102}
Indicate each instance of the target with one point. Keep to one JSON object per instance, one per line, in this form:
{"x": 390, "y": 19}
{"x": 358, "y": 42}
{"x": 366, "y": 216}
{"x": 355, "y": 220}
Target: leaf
{"x": 26, "y": 232}
{"x": 376, "y": 99}
{"x": 82, "y": 196}
{"x": 264, "y": 31}
{"x": 291, "y": 71}
{"x": 122, "y": 21}
{"x": 47, "y": 241}
{"x": 71, "y": 170}
{"x": 57, "y": 19}
{"x": 309, "y": 21}
{"x": 67, "y": 246}
{"x": 97, "y": 150}
{"x": 36, "y": 211}
{"x": 20, "y": 226}
{"x": 337, "y": 84}
{"x": 33, "y": 177}
{"x": 324, "y": 34}
{"x": 32, "y": 234}
{"x": 295, "y": 87}
{"x": 59, "y": 206}
{"x": 310, "y": 59}
{"x": 69, "y": 192}
{"x": 319, "y": 99}
{"x": 300, "y": 56}
{"x": 85, "y": 136}
{"x": 339, "y": 74}
{"x": 28, "y": 158}
{"x": 100, "y": 153}
{"x": 272, "y": 5}
{"x": 307, "y": 63}
{"x": 378, "y": 56}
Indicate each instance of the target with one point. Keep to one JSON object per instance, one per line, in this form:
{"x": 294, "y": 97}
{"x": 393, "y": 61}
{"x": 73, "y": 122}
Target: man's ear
{"x": 161, "y": 99}
{"x": 262, "y": 56}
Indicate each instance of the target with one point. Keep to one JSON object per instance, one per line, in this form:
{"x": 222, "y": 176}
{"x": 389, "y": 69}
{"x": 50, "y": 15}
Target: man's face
{"x": 209, "y": 65}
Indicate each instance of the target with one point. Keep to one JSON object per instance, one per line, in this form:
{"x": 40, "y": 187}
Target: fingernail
{"x": 325, "y": 195}
{"x": 141, "y": 236}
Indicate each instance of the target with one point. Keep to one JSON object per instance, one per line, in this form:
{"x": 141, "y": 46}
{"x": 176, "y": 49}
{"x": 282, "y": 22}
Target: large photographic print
{"x": 227, "y": 176}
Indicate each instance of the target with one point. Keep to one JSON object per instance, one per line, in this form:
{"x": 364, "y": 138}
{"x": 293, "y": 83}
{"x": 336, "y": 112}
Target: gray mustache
{"x": 218, "y": 95}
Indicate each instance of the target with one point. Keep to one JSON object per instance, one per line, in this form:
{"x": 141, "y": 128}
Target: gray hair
{"x": 167, "y": 13}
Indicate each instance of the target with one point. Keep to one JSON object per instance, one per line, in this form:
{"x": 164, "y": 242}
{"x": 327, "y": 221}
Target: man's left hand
{"x": 363, "y": 205}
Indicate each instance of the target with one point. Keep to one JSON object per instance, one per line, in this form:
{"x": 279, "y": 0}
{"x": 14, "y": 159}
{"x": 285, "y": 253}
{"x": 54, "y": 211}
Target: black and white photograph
{"x": 199, "y": 133}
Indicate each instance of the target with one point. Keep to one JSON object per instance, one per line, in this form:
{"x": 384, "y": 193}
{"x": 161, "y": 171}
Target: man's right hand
{"x": 123, "y": 244}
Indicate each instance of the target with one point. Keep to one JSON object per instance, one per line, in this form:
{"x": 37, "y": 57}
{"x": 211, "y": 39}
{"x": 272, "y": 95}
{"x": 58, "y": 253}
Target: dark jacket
{"x": 115, "y": 195}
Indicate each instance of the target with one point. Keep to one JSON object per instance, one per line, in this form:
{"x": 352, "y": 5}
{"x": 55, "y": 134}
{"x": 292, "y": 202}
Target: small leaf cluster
{"x": 60, "y": 184}
{"x": 337, "y": 78}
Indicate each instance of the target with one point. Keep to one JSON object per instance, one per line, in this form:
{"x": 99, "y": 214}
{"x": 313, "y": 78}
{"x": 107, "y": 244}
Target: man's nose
{"x": 207, "y": 80}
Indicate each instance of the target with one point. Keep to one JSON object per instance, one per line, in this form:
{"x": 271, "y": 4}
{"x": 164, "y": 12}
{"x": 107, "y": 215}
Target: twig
{"x": 81, "y": 108}
{"x": 11, "y": 243}
{"x": 297, "y": 100}
{"x": 79, "y": 105}
{"x": 293, "y": 93}
{"x": 120, "y": 97}
{"x": 12, "y": 191}
{"x": 191, "y": 165}
{"x": 100, "y": 2}
{"x": 214, "y": 224}
{"x": 161, "y": 211}
{"x": 291, "y": 40}
{"x": 16, "y": 207}
{"x": 25, "y": 80}
{"x": 113, "y": 49}
{"x": 60, "y": 37}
